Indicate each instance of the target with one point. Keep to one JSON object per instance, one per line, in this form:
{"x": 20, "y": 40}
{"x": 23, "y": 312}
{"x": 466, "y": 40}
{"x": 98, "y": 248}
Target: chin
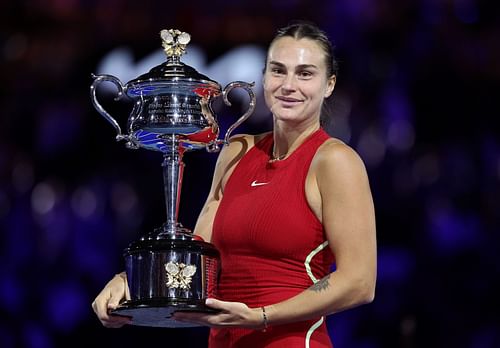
{"x": 287, "y": 118}
{"x": 287, "y": 113}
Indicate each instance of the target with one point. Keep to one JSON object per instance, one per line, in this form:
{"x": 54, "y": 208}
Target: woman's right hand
{"x": 109, "y": 298}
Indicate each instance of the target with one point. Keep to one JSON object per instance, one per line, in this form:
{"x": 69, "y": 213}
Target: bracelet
{"x": 264, "y": 319}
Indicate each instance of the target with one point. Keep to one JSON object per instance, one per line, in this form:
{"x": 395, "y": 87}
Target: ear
{"x": 330, "y": 85}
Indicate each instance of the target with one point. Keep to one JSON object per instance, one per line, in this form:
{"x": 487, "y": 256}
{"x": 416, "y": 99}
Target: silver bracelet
{"x": 264, "y": 319}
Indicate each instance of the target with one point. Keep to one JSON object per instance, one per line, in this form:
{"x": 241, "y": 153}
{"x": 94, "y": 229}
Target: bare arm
{"x": 347, "y": 213}
{"x": 349, "y": 221}
{"x": 227, "y": 160}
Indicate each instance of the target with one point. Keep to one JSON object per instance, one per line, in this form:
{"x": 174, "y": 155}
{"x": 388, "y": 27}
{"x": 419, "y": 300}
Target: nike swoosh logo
{"x": 255, "y": 183}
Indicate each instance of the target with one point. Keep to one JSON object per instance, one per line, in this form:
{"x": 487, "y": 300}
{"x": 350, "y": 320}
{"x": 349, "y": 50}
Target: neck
{"x": 287, "y": 138}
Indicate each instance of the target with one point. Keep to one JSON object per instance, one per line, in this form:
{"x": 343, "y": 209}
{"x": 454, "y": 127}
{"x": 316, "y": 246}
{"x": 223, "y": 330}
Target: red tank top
{"x": 272, "y": 245}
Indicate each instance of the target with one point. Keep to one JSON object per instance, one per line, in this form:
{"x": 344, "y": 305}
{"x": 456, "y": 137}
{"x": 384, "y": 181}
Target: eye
{"x": 277, "y": 70}
{"x": 305, "y": 74}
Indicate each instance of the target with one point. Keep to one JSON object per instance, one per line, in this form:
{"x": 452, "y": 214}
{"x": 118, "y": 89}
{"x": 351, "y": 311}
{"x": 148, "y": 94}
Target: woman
{"x": 282, "y": 208}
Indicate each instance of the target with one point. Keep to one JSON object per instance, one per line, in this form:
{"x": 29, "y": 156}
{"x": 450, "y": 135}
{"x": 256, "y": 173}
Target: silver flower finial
{"x": 174, "y": 42}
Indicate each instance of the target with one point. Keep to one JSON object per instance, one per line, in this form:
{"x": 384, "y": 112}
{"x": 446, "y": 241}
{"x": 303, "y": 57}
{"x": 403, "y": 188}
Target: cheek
{"x": 268, "y": 88}
{"x": 318, "y": 91}
{"x": 269, "y": 84}
{"x": 268, "y": 98}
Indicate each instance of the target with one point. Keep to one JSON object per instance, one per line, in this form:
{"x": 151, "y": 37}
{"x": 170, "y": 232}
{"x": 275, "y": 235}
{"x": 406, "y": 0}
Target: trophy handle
{"x": 97, "y": 80}
{"x": 247, "y": 87}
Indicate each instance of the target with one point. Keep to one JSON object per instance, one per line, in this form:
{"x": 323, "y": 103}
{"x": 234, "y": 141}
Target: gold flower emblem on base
{"x": 179, "y": 275}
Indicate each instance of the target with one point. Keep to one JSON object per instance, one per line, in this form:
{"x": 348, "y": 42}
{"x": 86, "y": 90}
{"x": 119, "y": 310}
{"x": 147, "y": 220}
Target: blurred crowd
{"x": 417, "y": 97}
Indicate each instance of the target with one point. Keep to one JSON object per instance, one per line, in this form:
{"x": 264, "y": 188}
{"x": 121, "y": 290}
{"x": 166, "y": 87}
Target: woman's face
{"x": 295, "y": 80}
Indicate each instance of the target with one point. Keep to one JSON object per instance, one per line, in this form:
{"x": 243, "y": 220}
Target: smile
{"x": 287, "y": 101}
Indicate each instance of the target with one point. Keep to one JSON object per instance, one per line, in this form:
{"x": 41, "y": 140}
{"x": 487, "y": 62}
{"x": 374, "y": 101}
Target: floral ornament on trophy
{"x": 174, "y": 42}
{"x": 179, "y": 275}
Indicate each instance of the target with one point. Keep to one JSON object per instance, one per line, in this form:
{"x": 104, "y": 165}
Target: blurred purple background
{"x": 417, "y": 97}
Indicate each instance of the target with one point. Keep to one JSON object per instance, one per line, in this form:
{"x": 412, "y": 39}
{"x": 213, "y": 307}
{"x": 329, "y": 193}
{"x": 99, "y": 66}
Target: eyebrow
{"x": 301, "y": 66}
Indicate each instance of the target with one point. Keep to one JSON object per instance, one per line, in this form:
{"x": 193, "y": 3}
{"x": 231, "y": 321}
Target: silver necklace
{"x": 275, "y": 158}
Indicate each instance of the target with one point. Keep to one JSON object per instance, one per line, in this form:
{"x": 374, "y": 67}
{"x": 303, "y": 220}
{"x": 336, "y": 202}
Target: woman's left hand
{"x": 231, "y": 314}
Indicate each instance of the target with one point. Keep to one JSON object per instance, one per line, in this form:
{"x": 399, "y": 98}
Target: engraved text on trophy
{"x": 174, "y": 110}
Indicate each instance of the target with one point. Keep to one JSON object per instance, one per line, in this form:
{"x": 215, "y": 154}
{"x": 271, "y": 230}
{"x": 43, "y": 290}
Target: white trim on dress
{"x": 314, "y": 280}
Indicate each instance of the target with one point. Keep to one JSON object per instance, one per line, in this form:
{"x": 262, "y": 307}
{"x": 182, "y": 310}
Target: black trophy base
{"x": 158, "y": 312}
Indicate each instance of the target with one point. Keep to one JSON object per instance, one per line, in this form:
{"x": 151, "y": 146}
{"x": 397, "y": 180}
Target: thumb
{"x": 114, "y": 301}
{"x": 216, "y": 304}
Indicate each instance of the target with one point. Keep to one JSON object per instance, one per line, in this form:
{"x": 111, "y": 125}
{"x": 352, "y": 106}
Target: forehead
{"x": 290, "y": 51}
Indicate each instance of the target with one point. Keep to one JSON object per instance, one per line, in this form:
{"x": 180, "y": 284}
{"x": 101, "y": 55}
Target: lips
{"x": 288, "y": 101}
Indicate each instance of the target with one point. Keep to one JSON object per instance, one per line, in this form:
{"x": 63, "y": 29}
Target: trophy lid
{"x": 172, "y": 75}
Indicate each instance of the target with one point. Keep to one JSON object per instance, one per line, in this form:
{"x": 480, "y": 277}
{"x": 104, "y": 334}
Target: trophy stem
{"x": 173, "y": 170}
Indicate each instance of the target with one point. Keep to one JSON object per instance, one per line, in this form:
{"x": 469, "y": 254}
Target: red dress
{"x": 272, "y": 245}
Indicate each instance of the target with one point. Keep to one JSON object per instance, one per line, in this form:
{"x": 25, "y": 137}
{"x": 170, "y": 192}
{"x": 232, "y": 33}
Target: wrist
{"x": 260, "y": 318}
{"x": 265, "y": 318}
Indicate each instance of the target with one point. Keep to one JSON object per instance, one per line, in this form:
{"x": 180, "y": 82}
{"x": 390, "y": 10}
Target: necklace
{"x": 275, "y": 158}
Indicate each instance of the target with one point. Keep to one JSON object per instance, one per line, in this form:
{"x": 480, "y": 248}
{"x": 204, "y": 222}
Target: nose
{"x": 288, "y": 84}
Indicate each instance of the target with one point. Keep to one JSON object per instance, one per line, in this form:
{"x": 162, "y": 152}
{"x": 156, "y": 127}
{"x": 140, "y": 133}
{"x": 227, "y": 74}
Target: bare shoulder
{"x": 249, "y": 138}
{"x": 237, "y": 147}
{"x": 241, "y": 143}
{"x": 334, "y": 157}
{"x": 334, "y": 150}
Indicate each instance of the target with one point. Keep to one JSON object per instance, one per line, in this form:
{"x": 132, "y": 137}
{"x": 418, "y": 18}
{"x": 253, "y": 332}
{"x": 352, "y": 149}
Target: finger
{"x": 116, "y": 297}
{"x": 194, "y": 317}
{"x": 189, "y": 316}
{"x": 110, "y": 320}
{"x": 100, "y": 308}
{"x": 217, "y": 304}
{"x": 114, "y": 301}
{"x": 116, "y": 322}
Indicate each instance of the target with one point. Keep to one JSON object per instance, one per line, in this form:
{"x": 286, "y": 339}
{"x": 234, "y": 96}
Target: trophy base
{"x": 158, "y": 312}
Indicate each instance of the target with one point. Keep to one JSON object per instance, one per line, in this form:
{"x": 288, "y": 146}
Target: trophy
{"x": 169, "y": 269}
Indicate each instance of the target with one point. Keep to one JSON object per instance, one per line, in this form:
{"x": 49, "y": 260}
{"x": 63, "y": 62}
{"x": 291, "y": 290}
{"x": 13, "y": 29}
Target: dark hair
{"x": 308, "y": 30}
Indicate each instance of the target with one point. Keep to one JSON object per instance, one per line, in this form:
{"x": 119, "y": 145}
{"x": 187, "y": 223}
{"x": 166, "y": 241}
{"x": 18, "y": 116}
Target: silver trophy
{"x": 169, "y": 269}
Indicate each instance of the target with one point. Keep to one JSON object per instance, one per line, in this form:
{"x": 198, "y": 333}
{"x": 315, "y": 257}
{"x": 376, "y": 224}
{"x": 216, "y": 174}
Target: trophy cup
{"x": 169, "y": 269}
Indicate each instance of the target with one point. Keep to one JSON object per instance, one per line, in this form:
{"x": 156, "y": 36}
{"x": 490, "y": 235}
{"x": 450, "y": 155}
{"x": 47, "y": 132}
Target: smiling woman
{"x": 283, "y": 207}
{"x": 296, "y": 83}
